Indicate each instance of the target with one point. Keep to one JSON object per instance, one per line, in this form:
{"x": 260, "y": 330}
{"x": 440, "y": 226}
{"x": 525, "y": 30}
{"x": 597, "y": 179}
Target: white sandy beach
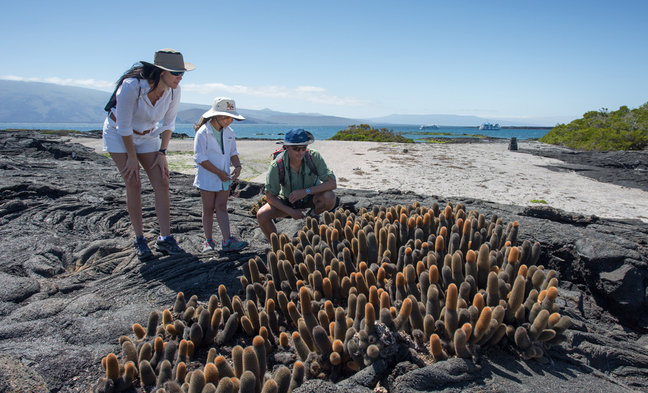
{"x": 487, "y": 171}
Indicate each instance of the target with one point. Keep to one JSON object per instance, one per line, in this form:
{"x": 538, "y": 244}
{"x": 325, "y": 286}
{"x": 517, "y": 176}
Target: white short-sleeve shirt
{"x": 208, "y": 148}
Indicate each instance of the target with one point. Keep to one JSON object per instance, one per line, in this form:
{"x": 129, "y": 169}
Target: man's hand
{"x": 296, "y": 195}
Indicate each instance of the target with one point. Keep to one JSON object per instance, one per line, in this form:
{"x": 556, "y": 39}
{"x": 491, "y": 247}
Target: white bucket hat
{"x": 170, "y": 60}
{"x": 223, "y": 106}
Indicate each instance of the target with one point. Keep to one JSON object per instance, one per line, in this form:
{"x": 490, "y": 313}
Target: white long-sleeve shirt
{"x": 207, "y": 148}
{"x": 134, "y": 110}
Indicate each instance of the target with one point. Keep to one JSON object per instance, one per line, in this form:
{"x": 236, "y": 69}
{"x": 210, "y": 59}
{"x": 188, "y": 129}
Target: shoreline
{"x": 486, "y": 170}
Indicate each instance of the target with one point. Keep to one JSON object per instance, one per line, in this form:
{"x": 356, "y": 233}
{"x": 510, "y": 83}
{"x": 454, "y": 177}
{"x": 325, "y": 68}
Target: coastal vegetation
{"x": 623, "y": 129}
{"x": 365, "y": 133}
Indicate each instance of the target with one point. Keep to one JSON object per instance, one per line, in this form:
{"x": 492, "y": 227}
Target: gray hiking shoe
{"x": 168, "y": 246}
{"x": 234, "y": 244}
{"x": 209, "y": 245}
{"x": 142, "y": 249}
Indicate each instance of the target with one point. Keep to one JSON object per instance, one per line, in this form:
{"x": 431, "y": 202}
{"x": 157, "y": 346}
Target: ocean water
{"x": 276, "y": 131}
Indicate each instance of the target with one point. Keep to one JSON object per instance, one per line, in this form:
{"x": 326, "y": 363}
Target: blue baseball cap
{"x": 298, "y": 137}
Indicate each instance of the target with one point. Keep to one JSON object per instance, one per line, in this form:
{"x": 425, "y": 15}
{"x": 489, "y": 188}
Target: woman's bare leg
{"x": 160, "y": 183}
{"x": 133, "y": 197}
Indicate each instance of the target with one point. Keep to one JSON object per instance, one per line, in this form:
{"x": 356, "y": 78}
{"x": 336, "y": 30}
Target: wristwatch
{"x": 163, "y": 151}
{"x": 307, "y": 191}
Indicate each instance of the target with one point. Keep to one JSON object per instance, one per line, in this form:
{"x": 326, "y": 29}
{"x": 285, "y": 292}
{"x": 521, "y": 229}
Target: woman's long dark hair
{"x": 140, "y": 71}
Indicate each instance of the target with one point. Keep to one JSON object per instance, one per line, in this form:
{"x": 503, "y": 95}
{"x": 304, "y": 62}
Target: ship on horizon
{"x": 489, "y": 127}
{"x": 429, "y": 127}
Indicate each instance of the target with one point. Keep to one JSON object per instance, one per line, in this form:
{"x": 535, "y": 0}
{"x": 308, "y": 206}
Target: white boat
{"x": 489, "y": 126}
{"x": 429, "y": 127}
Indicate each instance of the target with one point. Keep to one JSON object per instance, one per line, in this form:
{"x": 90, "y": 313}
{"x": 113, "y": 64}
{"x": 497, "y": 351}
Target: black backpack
{"x": 113, "y": 98}
{"x": 278, "y": 156}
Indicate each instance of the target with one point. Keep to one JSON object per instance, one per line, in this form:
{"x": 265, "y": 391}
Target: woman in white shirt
{"x": 137, "y": 131}
{"x": 214, "y": 151}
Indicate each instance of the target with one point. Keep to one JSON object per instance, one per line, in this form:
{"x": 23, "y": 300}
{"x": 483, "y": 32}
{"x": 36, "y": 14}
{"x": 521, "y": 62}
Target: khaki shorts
{"x": 306, "y": 203}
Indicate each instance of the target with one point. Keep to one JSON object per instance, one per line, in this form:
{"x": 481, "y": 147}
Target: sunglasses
{"x": 176, "y": 73}
{"x": 298, "y": 148}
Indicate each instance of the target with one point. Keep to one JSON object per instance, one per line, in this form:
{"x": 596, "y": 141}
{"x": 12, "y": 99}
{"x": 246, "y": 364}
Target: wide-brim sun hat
{"x": 170, "y": 60}
{"x": 223, "y": 106}
{"x": 298, "y": 137}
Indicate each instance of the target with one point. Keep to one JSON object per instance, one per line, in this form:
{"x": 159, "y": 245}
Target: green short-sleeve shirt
{"x": 296, "y": 180}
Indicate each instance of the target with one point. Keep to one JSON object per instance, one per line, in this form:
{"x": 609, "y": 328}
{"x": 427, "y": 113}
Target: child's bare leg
{"x": 208, "y": 206}
{"x": 220, "y": 205}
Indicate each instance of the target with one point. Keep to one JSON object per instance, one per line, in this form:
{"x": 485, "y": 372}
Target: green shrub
{"x": 623, "y": 129}
{"x": 365, "y": 133}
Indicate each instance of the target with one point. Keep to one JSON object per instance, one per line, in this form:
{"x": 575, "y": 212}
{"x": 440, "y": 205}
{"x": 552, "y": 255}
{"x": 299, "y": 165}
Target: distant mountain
{"x": 192, "y": 115}
{"x": 459, "y": 120}
{"x": 306, "y": 119}
{"x": 442, "y": 120}
{"x": 36, "y": 102}
{"x": 267, "y": 116}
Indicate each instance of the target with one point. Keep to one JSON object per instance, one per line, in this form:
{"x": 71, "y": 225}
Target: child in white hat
{"x": 214, "y": 153}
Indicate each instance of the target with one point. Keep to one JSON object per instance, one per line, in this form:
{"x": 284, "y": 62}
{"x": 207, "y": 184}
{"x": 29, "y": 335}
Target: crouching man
{"x": 297, "y": 179}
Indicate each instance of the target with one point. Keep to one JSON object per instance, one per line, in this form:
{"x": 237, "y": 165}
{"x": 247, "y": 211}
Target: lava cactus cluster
{"x": 387, "y": 285}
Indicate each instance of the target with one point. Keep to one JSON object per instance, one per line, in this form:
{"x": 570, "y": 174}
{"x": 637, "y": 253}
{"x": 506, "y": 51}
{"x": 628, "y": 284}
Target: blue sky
{"x": 552, "y": 60}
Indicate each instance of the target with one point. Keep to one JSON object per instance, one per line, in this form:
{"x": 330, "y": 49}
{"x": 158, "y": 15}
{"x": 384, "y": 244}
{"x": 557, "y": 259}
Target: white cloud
{"x": 310, "y": 89}
{"x": 89, "y": 83}
{"x": 312, "y": 94}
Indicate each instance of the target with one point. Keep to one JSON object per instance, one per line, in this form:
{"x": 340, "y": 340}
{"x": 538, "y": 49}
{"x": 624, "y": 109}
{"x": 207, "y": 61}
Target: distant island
{"x": 623, "y": 129}
{"x": 365, "y": 133}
